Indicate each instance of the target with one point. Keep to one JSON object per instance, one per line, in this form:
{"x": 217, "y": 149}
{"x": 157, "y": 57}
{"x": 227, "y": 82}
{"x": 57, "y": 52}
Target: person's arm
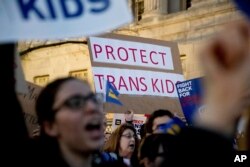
{"x": 226, "y": 63}
{"x": 14, "y": 131}
{"x": 227, "y": 79}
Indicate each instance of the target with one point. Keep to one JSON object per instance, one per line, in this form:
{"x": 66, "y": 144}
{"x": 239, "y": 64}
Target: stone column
{"x": 154, "y": 7}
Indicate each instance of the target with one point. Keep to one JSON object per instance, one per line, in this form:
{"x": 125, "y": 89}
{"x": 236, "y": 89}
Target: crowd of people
{"x": 72, "y": 130}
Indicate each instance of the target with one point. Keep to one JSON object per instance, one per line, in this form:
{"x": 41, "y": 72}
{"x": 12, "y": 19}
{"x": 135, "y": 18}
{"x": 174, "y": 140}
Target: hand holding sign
{"x": 129, "y": 115}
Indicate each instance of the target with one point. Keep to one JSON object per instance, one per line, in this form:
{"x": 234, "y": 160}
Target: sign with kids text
{"x": 190, "y": 96}
{"x": 52, "y": 19}
{"x": 144, "y": 71}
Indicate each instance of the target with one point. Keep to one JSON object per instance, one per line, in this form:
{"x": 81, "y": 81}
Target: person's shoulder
{"x": 108, "y": 159}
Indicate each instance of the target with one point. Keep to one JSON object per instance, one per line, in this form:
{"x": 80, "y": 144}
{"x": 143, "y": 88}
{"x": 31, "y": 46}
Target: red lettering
{"x": 190, "y": 100}
{"x": 109, "y": 51}
{"x": 154, "y": 84}
{"x": 171, "y": 84}
{"x": 100, "y": 79}
{"x": 111, "y": 79}
{"x": 162, "y": 86}
{"x": 142, "y": 81}
{"x": 142, "y": 54}
{"x": 150, "y": 56}
{"x": 126, "y": 54}
{"x": 122, "y": 83}
{"x": 163, "y": 58}
{"x": 131, "y": 81}
{"x": 97, "y": 51}
{"x": 133, "y": 51}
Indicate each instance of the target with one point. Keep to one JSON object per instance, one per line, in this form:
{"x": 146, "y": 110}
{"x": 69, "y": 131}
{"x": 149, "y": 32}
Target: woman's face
{"x": 127, "y": 143}
{"x": 78, "y": 123}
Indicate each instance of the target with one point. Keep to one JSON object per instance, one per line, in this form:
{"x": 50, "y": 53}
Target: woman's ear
{"x": 50, "y": 128}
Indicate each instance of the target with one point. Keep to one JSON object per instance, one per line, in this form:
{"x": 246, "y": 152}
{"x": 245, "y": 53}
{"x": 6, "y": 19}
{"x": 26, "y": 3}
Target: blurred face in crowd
{"x": 78, "y": 123}
{"x": 158, "y": 121}
{"x": 127, "y": 143}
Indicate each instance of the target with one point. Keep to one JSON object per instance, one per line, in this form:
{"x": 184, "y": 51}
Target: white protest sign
{"x": 47, "y": 19}
{"x": 144, "y": 71}
{"x": 137, "y": 82}
{"x": 131, "y": 53}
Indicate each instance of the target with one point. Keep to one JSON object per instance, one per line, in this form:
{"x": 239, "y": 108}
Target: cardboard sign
{"x": 49, "y": 19}
{"x": 190, "y": 95}
{"x": 27, "y": 102}
{"x": 144, "y": 72}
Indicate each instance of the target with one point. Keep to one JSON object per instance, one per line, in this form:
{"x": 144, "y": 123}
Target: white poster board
{"x": 144, "y": 71}
{"x": 50, "y": 19}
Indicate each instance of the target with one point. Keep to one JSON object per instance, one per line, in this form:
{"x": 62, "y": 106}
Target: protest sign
{"x": 190, "y": 96}
{"x": 50, "y": 19}
{"x": 144, "y": 71}
{"x": 27, "y": 102}
{"x": 244, "y": 6}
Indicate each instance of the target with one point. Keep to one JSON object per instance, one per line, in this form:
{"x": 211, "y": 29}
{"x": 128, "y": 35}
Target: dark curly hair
{"x": 157, "y": 113}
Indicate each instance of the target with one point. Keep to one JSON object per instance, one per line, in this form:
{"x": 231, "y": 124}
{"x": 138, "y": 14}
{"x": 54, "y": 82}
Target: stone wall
{"x": 189, "y": 28}
{"x": 57, "y": 61}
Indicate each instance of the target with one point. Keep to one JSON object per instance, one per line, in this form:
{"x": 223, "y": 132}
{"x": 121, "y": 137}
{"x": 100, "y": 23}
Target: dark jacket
{"x": 200, "y": 147}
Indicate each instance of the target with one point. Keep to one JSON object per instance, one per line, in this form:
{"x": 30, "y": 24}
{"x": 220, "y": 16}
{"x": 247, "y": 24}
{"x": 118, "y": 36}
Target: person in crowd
{"x": 143, "y": 132}
{"x": 158, "y": 118}
{"x": 225, "y": 60}
{"x": 71, "y": 119}
{"x": 156, "y": 149}
{"x": 124, "y": 142}
{"x": 71, "y": 122}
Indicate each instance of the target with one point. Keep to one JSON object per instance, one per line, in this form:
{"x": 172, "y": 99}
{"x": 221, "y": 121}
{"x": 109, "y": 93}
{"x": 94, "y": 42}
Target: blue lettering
{"x": 28, "y": 7}
{"x": 104, "y": 6}
{"x": 76, "y": 13}
{"x": 51, "y": 9}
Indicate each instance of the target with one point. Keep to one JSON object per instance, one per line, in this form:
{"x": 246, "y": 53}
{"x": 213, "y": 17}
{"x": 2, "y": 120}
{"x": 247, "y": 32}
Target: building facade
{"x": 187, "y": 22}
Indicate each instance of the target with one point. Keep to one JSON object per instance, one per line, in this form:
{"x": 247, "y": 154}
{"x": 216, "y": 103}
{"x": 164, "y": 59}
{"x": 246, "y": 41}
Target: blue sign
{"x": 244, "y": 6}
{"x": 190, "y": 96}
